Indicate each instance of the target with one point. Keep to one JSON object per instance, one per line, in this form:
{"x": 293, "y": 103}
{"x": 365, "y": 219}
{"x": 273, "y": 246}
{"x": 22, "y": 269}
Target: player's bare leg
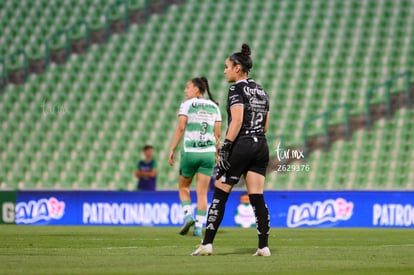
{"x": 201, "y": 190}
{"x": 185, "y": 198}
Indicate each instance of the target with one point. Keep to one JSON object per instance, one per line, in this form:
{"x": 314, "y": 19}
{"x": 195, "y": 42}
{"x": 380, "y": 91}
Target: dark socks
{"x": 215, "y": 215}
{"x": 262, "y": 218}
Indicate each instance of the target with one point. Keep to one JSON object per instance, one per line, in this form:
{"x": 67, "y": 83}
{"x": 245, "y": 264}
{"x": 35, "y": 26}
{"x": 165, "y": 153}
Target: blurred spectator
{"x": 146, "y": 171}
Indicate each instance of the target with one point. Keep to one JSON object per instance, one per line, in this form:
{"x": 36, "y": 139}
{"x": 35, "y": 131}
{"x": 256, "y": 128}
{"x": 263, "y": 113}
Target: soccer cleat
{"x": 197, "y": 231}
{"x": 203, "y": 250}
{"x": 265, "y": 251}
{"x": 189, "y": 221}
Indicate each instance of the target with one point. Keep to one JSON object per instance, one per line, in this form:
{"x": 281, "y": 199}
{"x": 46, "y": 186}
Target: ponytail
{"x": 202, "y": 84}
{"x": 243, "y": 58}
{"x": 207, "y": 87}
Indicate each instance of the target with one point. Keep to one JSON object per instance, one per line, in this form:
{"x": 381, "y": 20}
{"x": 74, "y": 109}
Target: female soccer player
{"x": 244, "y": 151}
{"x": 199, "y": 119}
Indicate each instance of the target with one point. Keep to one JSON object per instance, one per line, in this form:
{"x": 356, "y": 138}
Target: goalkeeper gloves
{"x": 224, "y": 155}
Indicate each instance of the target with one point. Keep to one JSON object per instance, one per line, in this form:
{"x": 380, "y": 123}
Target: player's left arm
{"x": 266, "y": 122}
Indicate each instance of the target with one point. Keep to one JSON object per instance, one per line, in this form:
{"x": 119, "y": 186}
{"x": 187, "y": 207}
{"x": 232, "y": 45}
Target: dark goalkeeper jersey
{"x": 256, "y": 106}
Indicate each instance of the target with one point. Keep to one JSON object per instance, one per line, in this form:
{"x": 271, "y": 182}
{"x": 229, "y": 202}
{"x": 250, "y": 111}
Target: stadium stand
{"x": 81, "y": 124}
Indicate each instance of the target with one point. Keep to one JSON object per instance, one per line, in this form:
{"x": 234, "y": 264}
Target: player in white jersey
{"x": 199, "y": 120}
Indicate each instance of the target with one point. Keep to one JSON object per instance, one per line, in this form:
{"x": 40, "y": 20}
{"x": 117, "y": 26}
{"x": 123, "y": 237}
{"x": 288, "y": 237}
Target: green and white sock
{"x": 187, "y": 209}
{"x": 200, "y": 218}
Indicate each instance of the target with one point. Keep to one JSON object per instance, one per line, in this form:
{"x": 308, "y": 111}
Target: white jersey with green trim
{"x": 202, "y": 114}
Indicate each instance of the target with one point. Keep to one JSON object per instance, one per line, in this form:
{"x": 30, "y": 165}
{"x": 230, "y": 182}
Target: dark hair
{"x": 243, "y": 58}
{"x": 146, "y": 147}
{"x": 202, "y": 84}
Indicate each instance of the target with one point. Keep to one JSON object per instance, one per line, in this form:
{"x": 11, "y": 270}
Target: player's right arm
{"x": 236, "y": 122}
{"x": 182, "y": 122}
{"x": 217, "y": 131}
{"x": 217, "y": 134}
{"x": 236, "y": 106}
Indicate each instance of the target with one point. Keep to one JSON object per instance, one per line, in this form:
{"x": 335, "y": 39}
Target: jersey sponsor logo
{"x": 393, "y": 214}
{"x": 202, "y": 114}
{"x": 253, "y": 91}
{"x": 207, "y": 106}
{"x": 40, "y": 210}
{"x": 199, "y": 143}
{"x": 319, "y": 212}
{"x": 233, "y": 99}
{"x": 260, "y": 103}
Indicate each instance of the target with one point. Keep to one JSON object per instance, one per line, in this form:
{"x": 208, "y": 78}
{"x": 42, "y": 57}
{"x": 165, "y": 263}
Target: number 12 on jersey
{"x": 257, "y": 118}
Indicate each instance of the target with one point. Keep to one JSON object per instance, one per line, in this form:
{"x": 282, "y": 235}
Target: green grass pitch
{"x": 157, "y": 250}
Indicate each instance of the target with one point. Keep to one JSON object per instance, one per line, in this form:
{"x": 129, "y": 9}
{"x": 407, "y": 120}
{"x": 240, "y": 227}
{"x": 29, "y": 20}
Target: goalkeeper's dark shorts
{"x": 249, "y": 153}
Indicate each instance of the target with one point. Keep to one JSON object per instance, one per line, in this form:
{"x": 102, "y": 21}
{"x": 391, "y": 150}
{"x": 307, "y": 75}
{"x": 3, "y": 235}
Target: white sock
{"x": 187, "y": 209}
{"x": 200, "y": 218}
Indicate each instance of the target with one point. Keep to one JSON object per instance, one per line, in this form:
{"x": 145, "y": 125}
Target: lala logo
{"x": 319, "y": 212}
{"x": 40, "y": 210}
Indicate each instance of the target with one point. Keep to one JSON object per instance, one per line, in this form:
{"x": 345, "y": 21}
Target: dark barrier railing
{"x": 14, "y": 55}
{"x": 325, "y": 116}
{"x": 78, "y": 24}
{"x": 387, "y": 84}
{"x": 65, "y": 32}
{"x": 112, "y": 7}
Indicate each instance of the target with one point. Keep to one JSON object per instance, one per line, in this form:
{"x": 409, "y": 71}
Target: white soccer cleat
{"x": 265, "y": 251}
{"x": 203, "y": 250}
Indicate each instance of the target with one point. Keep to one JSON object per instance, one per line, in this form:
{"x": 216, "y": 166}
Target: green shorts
{"x": 192, "y": 163}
